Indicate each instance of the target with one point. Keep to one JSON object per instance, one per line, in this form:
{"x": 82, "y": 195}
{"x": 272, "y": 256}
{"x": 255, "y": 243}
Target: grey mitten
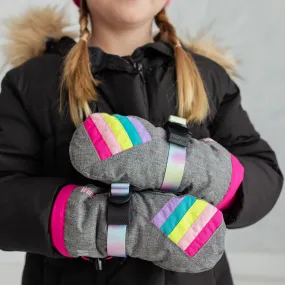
{"x": 181, "y": 234}
{"x": 131, "y": 150}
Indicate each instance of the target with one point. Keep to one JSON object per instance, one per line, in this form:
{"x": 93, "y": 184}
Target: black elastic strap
{"x": 118, "y": 219}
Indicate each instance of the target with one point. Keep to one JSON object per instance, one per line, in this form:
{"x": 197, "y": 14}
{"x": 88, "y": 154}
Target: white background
{"x": 255, "y": 29}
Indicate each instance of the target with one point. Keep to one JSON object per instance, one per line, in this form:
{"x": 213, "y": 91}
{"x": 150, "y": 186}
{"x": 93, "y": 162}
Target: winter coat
{"x": 35, "y": 164}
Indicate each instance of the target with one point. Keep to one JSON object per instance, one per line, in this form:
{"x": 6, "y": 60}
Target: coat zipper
{"x": 139, "y": 68}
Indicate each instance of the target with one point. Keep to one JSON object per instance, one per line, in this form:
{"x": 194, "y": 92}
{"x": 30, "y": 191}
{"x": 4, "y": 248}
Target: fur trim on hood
{"x": 26, "y": 38}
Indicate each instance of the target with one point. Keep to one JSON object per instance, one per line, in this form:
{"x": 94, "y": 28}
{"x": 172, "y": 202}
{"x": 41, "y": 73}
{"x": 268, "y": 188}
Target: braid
{"x": 83, "y": 21}
{"x": 192, "y": 98}
{"x": 77, "y": 77}
{"x": 167, "y": 30}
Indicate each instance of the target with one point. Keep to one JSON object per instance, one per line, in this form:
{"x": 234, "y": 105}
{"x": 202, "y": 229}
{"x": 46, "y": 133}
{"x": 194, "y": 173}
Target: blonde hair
{"x": 80, "y": 84}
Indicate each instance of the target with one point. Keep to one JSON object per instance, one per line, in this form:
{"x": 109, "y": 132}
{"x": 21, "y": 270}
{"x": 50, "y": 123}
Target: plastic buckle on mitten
{"x": 177, "y": 131}
{"x": 119, "y": 199}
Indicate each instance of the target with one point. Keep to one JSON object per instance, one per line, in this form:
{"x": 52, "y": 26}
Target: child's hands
{"x": 131, "y": 150}
{"x": 181, "y": 234}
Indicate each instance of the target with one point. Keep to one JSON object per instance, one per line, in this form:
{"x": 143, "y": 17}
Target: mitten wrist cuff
{"x": 58, "y": 219}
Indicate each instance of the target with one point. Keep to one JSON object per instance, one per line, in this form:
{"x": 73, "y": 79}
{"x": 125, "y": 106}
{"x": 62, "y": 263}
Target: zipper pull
{"x": 98, "y": 263}
{"x": 139, "y": 67}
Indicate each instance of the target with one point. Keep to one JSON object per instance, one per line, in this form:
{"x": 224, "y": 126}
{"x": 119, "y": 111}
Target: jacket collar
{"x": 156, "y": 52}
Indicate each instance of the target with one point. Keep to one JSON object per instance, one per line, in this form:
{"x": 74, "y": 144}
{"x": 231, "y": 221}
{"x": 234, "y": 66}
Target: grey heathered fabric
{"x": 207, "y": 173}
{"x": 85, "y": 153}
{"x": 214, "y": 247}
{"x": 134, "y": 166}
{"x": 86, "y": 233}
{"x": 85, "y": 224}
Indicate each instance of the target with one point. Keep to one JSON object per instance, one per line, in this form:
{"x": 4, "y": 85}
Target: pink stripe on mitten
{"x": 58, "y": 217}
{"x": 237, "y": 178}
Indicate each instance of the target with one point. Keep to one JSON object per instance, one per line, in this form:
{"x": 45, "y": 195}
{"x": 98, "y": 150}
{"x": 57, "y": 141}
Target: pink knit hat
{"x": 77, "y": 2}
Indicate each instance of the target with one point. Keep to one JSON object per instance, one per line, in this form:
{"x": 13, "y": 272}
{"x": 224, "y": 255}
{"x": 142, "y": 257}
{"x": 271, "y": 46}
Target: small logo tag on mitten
{"x": 88, "y": 191}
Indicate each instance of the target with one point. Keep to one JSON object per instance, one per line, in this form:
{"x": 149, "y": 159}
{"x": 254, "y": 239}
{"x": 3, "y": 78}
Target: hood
{"x": 26, "y": 38}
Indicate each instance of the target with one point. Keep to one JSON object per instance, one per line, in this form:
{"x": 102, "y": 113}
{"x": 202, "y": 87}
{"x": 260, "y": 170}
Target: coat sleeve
{"x": 26, "y": 196}
{"x": 263, "y": 179}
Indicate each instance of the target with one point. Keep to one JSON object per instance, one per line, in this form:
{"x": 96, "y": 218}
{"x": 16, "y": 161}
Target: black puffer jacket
{"x": 34, "y": 159}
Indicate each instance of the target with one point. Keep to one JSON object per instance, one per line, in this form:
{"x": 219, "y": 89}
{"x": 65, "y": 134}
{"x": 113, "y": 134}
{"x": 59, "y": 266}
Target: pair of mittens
{"x": 129, "y": 149}
{"x": 181, "y": 234}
